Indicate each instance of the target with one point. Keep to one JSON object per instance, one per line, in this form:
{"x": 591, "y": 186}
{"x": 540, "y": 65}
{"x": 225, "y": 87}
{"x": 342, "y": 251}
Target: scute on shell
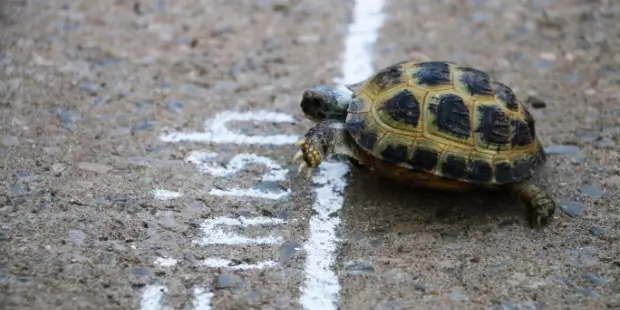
{"x": 453, "y": 121}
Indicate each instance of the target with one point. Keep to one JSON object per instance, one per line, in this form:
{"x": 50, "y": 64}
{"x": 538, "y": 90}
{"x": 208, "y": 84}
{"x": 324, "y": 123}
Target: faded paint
{"x": 321, "y": 288}
{"x": 216, "y": 129}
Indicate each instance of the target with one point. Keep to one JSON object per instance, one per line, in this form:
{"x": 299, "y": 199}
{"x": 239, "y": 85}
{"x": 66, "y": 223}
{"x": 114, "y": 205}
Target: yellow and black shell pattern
{"x": 453, "y": 121}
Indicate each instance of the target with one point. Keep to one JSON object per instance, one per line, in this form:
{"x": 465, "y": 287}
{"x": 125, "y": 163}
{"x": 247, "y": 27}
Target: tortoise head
{"x": 325, "y": 102}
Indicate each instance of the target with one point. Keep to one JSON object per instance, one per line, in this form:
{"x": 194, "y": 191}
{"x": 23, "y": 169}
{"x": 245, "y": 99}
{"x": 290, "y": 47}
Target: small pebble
{"x": 605, "y": 143}
{"x": 393, "y": 304}
{"x": 77, "y": 236}
{"x": 548, "y": 56}
{"x": 142, "y": 126}
{"x": 225, "y": 85}
{"x": 611, "y": 131}
{"x": 109, "y": 61}
{"x": 586, "y": 136}
{"x": 94, "y": 167}
{"x": 141, "y": 104}
{"x": 58, "y": 167}
{"x": 307, "y": 39}
{"x": 228, "y": 281}
{"x": 358, "y": 267}
{"x": 595, "y": 279}
{"x": 573, "y": 78}
{"x": 588, "y": 292}
{"x": 10, "y": 141}
{"x": 457, "y": 295}
{"x": 20, "y": 174}
{"x": 253, "y": 296}
{"x": 283, "y": 302}
{"x": 598, "y": 170}
{"x": 596, "y": 231}
{"x": 543, "y": 65}
{"x": 288, "y": 251}
{"x": 571, "y": 208}
{"x": 273, "y": 44}
{"x": 591, "y": 190}
{"x": 450, "y": 236}
{"x": 498, "y": 265}
{"x": 268, "y": 186}
{"x": 222, "y": 31}
{"x": 174, "y": 106}
{"x": 89, "y": 87}
{"x": 17, "y": 191}
{"x": 507, "y": 306}
{"x": 100, "y": 201}
{"x": 423, "y": 287}
{"x": 66, "y": 118}
{"x": 120, "y": 198}
{"x": 167, "y": 221}
{"x": 4, "y": 236}
{"x": 139, "y": 271}
{"x": 560, "y": 149}
{"x": 536, "y": 102}
{"x": 395, "y": 276}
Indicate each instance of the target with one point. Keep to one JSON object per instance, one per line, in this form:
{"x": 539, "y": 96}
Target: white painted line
{"x": 252, "y": 193}
{"x": 202, "y": 298}
{"x": 152, "y": 297}
{"x": 163, "y": 194}
{"x": 321, "y": 288}
{"x": 215, "y": 262}
{"x": 166, "y": 262}
{"x": 204, "y": 163}
{"x": 216, "y": 129}
{"x": 215, "y": 235}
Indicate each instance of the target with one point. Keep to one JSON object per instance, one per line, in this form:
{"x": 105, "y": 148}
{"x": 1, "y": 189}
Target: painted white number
{"x": 153, "y": 298}
{"x": 204, "y": 163}
{"x": 216, "y": 129}
{"x": 215, "y": 235}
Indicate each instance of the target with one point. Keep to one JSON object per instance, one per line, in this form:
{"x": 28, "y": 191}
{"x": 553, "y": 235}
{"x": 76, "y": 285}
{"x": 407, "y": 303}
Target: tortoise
{"x": 434, "y": 124}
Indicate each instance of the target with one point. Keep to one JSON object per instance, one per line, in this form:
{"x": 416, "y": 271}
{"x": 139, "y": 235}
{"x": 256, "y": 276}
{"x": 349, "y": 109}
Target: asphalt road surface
{"x": 146, "y": 153}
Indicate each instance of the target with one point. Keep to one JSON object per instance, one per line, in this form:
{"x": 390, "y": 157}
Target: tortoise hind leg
{"x": 540, "y": 205}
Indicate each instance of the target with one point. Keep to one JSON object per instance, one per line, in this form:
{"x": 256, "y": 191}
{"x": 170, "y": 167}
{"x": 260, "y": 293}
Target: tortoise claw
{"x": 299, "y": 157}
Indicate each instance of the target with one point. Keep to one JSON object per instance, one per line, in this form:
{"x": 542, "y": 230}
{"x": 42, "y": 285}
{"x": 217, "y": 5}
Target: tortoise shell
{"x": 455, "y": 122}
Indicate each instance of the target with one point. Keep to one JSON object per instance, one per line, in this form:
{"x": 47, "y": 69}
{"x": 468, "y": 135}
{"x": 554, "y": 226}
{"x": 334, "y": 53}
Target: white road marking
{"x": 215, "y": 262}
{"x": 252, "y": 193}
{"x": 216, "y": 129}
{"x": 204, "y": 163}
{"x": 163, "y": 194}
{"x": 202, "y": 298}
{"x": 166, "y": 262}
{"x": 321, "y": 288}
{"x": 214, "y": 235}
{"x": 152, "y": 297}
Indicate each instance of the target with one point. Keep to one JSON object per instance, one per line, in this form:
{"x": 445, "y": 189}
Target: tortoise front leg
{"x": 326, "y": 138}
{"x": 540, "y": 205}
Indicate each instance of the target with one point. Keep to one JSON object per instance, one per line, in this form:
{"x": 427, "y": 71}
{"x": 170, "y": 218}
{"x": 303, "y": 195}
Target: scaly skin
{"x": 540, "y": 205}
{"x": 326, "y": 138}
{"x": 325, "y": 102}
